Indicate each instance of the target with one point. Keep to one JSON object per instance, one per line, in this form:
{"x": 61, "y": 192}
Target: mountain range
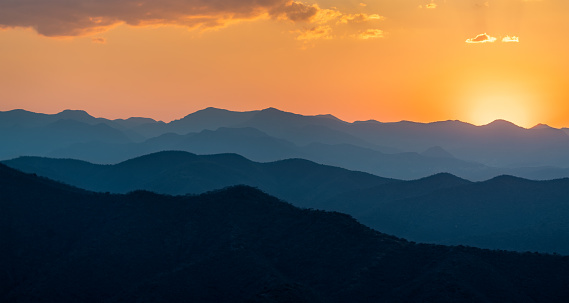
{"x": 402, "y": 150}
{"x": 63, "y": 244}
{"x": 501, "y": 213}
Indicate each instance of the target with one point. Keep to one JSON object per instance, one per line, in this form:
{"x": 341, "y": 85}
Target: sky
{"x": 388, "y": 60}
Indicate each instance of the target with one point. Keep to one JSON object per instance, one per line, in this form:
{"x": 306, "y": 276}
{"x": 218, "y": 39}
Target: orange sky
{"x": 383, "y": 59}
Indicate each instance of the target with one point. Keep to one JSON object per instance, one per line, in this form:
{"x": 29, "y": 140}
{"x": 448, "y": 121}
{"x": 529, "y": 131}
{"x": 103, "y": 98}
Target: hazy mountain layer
{"x": 62, "y": 244}
{"x": 176, "y": 172}
{"x": 403, "y": 150}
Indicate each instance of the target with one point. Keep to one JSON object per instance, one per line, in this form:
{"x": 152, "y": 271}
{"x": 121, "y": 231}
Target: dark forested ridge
{"x": 63, "y": 244}
{"x": 501, "y": 213}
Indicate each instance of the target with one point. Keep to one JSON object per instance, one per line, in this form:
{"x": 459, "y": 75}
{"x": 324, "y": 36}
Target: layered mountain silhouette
{"x": 404, "y": 150}
{"x": 501, "y": 213}
{"x": 63, "y": 244}
{"x": 177, "y": 173}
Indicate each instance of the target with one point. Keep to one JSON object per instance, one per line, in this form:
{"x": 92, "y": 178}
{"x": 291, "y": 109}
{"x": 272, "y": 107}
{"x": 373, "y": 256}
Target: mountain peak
{"x": 445, "y": 177}
{"x": 74, "y": 114}
{"x": 272, "y": 110}
{"x": 542, "y": 126}
{"x": 500, "y": 123}
{"x": 329, "y": 116}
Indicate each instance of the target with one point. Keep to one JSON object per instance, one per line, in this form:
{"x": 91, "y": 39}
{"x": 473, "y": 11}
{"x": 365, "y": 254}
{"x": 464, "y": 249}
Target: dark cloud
{"x": 296, "y": 11}
{"x": 82, "y": 17}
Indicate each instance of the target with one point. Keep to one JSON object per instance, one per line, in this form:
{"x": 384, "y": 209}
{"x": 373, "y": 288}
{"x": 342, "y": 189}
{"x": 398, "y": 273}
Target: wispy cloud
{"x": 370, "y": 34}
{"x": 313, "y": 33}
{"x": 509, "y": 39}
{"x": 99, "y": 40}
{"x": 431, "y": 5}
{"x": 359, "y": 18}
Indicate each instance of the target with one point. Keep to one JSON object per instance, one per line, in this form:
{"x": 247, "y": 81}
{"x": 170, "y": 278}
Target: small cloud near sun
{"x": 431, "y": 5}
{"x": 509, "y": 39}
{"x": 370, "y": 34}
{"x": 362, "y": 4}
{"x": 482, "y": 38}
{"x": 99, "y": 40}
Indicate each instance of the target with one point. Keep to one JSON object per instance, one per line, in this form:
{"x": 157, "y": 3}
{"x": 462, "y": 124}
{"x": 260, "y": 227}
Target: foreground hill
{"x": 62, "y": 244}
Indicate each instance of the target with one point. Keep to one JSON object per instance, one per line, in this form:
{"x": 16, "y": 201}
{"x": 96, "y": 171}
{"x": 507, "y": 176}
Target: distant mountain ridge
{"x": 63, "y": 244}
{"x": 478, "y": 152}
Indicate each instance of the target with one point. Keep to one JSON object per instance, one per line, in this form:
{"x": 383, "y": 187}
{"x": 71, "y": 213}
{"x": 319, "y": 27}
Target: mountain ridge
{"x": 441, "y": 208}
{"x": 66, "y": 245}
{"x": 478, "y": 152}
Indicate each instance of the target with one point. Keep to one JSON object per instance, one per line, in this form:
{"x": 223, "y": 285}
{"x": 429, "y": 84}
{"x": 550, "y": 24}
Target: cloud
{"x": 296, "y": 11}
{"x": 61, "y": 18}
{"x": 485, "y": 4}
{"x": 359, "y": 18}
{"x": 370, "y": 34}
{"x": 99, "y": 40}
{"x": 431, "y": 5}
{"x": 317, "y": 32}
{"x": 72, "y": 18}
{"x": 482, "y": 38}
{"x": 363, "y": 4}
{"x": 509, "y": 39}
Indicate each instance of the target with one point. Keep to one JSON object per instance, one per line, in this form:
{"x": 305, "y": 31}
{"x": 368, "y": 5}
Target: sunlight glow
{"x": 515, "y": 109}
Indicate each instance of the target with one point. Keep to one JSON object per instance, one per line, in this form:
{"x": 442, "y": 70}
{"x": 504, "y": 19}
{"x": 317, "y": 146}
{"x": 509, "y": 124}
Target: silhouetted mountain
{"x": 43, "y": 139}
{"x": 177, "y": 172}
{"x": 500, "y": 144}
{"x": 542, "y": 126}
{"x": 259, "y": 146}
{"x": 479, "y": 152}
{"x": 27, "y": 133}
{"x": 400, "y": 166}
{"x": 502, "y": 213}
{"x": 61, "y": 244}
{"x": 303, "y": 130}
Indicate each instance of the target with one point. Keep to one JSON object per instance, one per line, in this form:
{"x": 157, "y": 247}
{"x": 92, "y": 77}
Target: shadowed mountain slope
{"x": 502, "y": 213}
{"x": 517, "y": 215}
{"x": 176, "y": 172}
{"x": 61, "y": 244}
